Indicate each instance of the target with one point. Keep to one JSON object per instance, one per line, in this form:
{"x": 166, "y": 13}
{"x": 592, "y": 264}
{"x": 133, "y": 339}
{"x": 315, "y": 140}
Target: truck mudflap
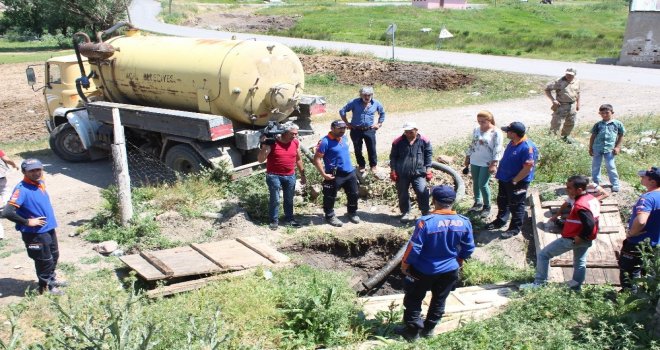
{"x": 79, "y": 120}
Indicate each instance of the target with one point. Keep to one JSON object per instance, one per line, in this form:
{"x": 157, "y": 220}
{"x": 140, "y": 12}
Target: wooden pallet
{"x": 463, "y": 304}
{"x": 225, "y": 256}
{"x": 602, "y": 265}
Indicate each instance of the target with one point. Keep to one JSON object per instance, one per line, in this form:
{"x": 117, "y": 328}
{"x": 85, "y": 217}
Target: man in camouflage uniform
{"x": 565, "y": 103}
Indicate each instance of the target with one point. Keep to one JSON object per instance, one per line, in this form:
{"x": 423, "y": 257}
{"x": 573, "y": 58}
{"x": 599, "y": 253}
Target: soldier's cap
{"x": 653, "y": 174}
{"x": 409, "y": 126}
{"x": 516, "y": 127}
{"x": 443, "y": 194}
{"x": 571, "y": 71}
{"x": 338, "y": 124}
{"x": 606, "y": 107}
{"x": 31, "y": 164}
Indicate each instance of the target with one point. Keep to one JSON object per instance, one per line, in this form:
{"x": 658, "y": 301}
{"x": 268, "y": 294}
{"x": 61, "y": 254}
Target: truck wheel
{"x": 66, "y": 144}
{"x": 184, "y": 159}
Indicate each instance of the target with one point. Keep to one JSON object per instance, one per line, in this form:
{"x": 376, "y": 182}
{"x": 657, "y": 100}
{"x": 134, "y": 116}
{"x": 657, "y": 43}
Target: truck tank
{"x": 249, "y": 82}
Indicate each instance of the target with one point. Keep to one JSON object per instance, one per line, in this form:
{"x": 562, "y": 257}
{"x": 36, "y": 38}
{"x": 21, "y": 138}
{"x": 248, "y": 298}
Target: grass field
{"x": 582, "y": 32}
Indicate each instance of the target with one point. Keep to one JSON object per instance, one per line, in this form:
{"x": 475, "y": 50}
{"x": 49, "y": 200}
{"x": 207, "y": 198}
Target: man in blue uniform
{"x": 337, "y": 172}
{"x": 29, "y": 207}
{"x": 437, "y": 248}
{"x": 363, "y": 125}
{"x": 514, "y": 174}
{"x": 644, "y": 225}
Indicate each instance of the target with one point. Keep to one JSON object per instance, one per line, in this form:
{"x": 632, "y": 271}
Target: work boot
{"x": 475, "y": 208}
{"x": 567, "y": 139}
{"x": 497, "y": 224}
{"x": 273, "y": 225}
{"x": 528, "y": 286}
{"x": 293, "y": 223}
{"x": 509, "y": 234}
{"x": 427, "y": 332}
{"x": 573, "y": 285}
{"x": 354, "y": 218}
{"x": 408, "y": 333}
{"x": 56, "y": 283}
{"x": 51, "y": 291}
{"x": 334, "y": 221}
{"x": 485, "y": 213}
{"x": 407, "y": 217}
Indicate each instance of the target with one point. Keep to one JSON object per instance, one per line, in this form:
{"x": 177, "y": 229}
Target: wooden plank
{"x": 185, "y": 261}
{"x": 194, "y": 284}
{"x": 558, "y": 203}
{"x": 233, "y": 255}
{"x": 142, "y": 267}
{"x": 157, "y": 263}
{"x": 201, "y": 250}
{"x": 590, "y": 264}
{"x": 263, "y": 249}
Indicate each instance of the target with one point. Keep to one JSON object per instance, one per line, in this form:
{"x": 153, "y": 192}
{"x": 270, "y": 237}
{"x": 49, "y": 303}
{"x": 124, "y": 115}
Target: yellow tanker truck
{"x": 190, "y": 102}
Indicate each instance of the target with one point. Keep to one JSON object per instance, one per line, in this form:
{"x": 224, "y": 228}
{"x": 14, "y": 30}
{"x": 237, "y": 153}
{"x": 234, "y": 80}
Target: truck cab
{"x": 60, "y": 87}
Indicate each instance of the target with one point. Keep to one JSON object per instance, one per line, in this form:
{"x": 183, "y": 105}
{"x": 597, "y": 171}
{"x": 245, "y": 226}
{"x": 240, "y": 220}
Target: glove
{"x": 429, "y": 176}
{"x": 394, "y": 176}
{"x": 466, "y": 171}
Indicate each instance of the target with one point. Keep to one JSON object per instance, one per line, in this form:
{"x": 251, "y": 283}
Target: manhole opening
{"x": 361, "y": 258}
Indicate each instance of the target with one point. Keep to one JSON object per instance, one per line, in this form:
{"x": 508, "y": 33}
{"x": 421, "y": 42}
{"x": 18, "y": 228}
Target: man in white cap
{"x": 30, "y": 208}
{"x": 410, "y": 163}
{"x": 565, "y": 103}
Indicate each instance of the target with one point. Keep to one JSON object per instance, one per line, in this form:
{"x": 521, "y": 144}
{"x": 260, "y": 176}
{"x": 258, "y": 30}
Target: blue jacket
{"x": 438, "y": 240}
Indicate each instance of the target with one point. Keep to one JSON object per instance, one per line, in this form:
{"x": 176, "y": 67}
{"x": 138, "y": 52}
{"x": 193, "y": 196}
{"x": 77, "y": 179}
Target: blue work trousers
{"x": 419, "y": 186}
{"x": 43, "y": 249}
{"x": 440, "y": 286}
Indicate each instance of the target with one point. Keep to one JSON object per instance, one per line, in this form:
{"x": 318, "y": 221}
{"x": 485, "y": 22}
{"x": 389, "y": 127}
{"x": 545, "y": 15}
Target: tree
{"x": 38, "y": 16}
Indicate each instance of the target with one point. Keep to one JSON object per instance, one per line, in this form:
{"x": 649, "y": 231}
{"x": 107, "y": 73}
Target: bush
{"x": 319, "y": 307}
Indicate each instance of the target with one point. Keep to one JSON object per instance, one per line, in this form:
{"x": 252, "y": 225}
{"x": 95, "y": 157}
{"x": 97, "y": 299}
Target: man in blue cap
{"x": 514, "y": 174}
{"x": 437, "y": 248}
{"x": 644, "y": 225}
{"x": 30, "y": 208}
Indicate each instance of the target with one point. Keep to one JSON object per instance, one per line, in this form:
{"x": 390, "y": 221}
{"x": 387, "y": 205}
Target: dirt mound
{"x": 369, "y": 71}
{"x": 242, "y": 23}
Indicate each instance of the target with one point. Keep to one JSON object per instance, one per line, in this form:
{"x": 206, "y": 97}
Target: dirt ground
{"x": 366, "y": 71}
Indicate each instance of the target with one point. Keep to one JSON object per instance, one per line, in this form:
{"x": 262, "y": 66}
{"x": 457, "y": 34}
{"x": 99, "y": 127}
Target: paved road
{"x": 144, "y": 12}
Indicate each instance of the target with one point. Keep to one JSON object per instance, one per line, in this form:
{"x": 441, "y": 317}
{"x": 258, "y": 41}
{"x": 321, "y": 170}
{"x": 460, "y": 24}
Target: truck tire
{"x": 184, "y": 159}
{"x": 66, "y": 144}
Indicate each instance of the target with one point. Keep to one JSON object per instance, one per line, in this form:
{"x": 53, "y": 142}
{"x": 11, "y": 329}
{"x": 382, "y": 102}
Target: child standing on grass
{"x": 605, "y": 142}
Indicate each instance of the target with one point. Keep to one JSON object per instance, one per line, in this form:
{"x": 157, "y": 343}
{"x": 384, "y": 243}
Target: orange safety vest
{"x": 573, "y": 225}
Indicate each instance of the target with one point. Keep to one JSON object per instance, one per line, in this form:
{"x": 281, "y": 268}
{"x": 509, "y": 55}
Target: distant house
{"x": 436, "y": 4}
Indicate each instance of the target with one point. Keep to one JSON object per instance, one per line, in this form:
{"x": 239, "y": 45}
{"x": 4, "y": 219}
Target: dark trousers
{"x": 347, "y": 181}
{"x": 419, "y": 186}
{"x": 511, "y": 200}
{"x": 440, "y": 286}
{"x": 43, "y": 249}
{"x": 630, "y": 265}
{"x": 369, "y": 138}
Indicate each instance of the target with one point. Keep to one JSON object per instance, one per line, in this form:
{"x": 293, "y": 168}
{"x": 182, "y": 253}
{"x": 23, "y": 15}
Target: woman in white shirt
{"x": 482, "y": 156}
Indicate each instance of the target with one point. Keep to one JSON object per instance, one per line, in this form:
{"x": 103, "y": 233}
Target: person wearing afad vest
{"x": 580, "y": 229}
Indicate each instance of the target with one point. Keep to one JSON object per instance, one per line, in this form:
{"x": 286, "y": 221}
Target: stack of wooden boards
{"x": 230, "y": 257}
{"x": 602, "y": 265}
{"x": 463, "y": 304}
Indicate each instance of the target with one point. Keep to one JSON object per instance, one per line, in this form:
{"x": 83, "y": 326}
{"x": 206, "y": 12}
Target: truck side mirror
{"x": 31, "y": 77}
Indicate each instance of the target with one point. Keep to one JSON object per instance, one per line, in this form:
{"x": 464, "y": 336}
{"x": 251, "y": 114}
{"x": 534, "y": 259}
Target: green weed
{"x": 476, "y": 272}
